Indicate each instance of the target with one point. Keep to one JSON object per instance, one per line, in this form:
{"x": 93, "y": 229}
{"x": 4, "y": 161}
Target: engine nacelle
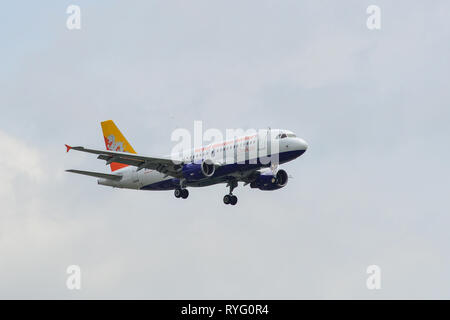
{"x": 198, "y": 171}
{"x": 269, "y": 181}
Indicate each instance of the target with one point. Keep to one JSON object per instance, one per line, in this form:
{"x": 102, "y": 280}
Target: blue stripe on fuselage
{"x": 227, "y": 169}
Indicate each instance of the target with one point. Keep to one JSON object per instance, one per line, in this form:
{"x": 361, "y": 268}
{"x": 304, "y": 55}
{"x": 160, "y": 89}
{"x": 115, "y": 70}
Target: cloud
{"x": 371, "y": 189}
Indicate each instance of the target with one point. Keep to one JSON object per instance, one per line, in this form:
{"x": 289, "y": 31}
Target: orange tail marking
{"x": 115, "y": 141}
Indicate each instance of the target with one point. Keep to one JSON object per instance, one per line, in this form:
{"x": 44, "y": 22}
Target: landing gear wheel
{"x": 184, "y": 193}
{"x": 177, "y": 193}
{"x": 229, "y": 198}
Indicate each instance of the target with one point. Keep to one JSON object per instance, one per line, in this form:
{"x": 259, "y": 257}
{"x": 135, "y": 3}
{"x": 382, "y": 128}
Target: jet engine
{"x": 270, "y": 181}
{"x": 198, "y": 171}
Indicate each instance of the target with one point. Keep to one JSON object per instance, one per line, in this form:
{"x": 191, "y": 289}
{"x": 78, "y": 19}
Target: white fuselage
{"x": 237, "y": 155}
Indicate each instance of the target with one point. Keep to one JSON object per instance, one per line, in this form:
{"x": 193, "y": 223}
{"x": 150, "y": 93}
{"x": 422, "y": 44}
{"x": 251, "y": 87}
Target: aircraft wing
{"x": 163, "y": 165}
{"x": 250, "y": 176}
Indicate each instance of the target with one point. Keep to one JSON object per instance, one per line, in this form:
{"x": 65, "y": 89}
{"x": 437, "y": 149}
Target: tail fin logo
{"x": 112, "y": 145}
{"x": 115, "y": 141}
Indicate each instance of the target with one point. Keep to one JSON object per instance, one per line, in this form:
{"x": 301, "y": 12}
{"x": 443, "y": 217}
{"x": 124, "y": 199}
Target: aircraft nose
{"x": 302, "y": 144}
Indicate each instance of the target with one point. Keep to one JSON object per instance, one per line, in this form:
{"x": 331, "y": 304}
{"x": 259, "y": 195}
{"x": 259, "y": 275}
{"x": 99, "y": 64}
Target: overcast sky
{"x": 371, "y": 189}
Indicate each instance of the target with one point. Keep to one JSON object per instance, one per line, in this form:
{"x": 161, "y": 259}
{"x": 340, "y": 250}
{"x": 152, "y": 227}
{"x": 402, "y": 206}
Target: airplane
{"x": 242, "y": 159}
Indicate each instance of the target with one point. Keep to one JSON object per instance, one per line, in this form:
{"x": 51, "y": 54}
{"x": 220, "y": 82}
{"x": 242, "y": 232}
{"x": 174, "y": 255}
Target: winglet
{"x": 68, "y": 148}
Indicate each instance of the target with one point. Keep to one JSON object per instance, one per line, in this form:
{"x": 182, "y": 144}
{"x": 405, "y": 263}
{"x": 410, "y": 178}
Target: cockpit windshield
{"x": 285, "y": 135}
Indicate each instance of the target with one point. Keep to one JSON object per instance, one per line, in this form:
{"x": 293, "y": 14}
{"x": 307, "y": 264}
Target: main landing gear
{"x": 181, "y": 193}
{"x": 230, "y": 198}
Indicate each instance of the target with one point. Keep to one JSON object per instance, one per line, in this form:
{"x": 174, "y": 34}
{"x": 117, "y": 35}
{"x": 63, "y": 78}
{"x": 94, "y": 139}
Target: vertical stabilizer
{"x": 115, "y": 141}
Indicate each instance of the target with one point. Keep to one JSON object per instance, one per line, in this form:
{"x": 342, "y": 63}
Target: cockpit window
{"x": 285, "y": 135}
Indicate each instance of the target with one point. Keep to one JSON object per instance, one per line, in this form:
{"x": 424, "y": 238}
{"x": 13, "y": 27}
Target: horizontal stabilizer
{"x": 164, "y": 165}
{"x": 97, "y": 174}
